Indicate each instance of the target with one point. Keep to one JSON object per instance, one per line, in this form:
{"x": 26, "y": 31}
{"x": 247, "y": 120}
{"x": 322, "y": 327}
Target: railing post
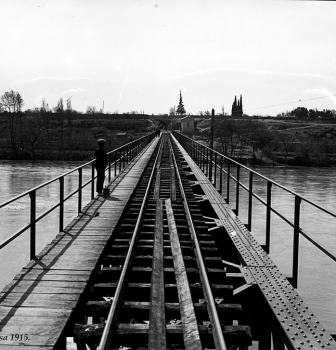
{"x": 61, "y": 213}
{"x": 207, "y": 163}
{"x": 197, "y": 154}
{"x": 32, "y": 196}
{"x": 296, "y": 241}
{"x": 115, "y": 163}
{"x": 228, "y": 183}
{"x": 109, "y": 167}
{"x": 203, "y": 163}
{"x": 215, "y": 170}
{"x": 92, "y": 179}
{"x": 80, "y": 176}
{"x": 221, "y": 176}
{"x": 195, "y": 150}
{"x": 210, "y": 165}
{"x": 237, "y": 189}
{"x": 119, "y": 160}
{"x": 250, "y": 197}
{"x": 268, "y": 217}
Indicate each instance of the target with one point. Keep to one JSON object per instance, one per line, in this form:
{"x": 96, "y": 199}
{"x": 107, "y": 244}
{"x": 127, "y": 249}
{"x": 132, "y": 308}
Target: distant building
{"x": 237, "y": 107}
{"x": 187, "y": 125}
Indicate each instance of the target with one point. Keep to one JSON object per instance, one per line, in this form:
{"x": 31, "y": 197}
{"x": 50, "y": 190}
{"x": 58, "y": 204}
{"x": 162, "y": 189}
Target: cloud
{"x": 252, "y": 71}
{"x": 51, "y": 88}
{"x": 48, "y": 79}
{"x": 73, "y": 90}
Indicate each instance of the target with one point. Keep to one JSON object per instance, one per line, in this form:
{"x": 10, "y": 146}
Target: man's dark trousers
{"x": 100, "y": 179}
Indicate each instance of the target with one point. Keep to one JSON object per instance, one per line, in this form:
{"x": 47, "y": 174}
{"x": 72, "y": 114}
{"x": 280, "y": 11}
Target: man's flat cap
{"x": 101, "y": 140}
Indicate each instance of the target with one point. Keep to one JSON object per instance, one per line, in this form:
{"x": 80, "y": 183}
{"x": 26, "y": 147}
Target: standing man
{"x": 100, "y": 165}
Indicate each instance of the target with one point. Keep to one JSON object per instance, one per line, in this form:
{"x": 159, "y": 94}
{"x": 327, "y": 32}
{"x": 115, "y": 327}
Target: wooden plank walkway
{"x": 157, "y": 324}
{"x": 303, "y": 329}
{"x": 37, "y": 306}
{"x": 191, "y": 336}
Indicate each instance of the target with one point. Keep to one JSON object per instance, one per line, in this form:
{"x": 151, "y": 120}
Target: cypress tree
{"x": 180, "y": 108}
{"x": 241, "y": 104}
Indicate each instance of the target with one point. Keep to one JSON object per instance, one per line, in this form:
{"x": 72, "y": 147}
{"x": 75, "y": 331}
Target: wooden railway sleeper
{"x": 142, "y": 253}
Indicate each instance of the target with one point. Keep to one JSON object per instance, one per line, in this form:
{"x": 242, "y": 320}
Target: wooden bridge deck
{"x": 37, "y": 305}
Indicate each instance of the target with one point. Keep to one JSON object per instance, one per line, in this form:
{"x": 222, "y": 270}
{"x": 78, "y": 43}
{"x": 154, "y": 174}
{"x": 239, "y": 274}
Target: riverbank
{"x": 290, "y": 162}
{"x": 52, "y": 155}
{"x": 257, "y": 159}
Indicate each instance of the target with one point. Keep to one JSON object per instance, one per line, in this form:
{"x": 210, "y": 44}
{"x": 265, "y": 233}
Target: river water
{"x": 317, "y": 282}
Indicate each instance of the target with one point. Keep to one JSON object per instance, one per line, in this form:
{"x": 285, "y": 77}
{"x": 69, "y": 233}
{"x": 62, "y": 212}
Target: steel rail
{"x": 106, "y": 338}
{"x": 212, "y": 305}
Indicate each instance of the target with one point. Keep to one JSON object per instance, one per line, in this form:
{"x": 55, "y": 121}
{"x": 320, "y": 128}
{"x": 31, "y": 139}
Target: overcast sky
{"x": 138, "y": 55}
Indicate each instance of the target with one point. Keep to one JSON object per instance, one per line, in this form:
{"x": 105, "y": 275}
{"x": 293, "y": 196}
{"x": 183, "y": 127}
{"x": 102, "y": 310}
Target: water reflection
{"x": 18, "y": 177}
{"x": 315, "y": 268}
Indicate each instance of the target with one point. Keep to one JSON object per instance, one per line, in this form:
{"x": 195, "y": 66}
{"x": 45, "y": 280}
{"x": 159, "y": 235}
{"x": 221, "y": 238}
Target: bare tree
{"x": 59, "y": 109}
{"x": 13, "y": 103}
{"x": 69, "y": 117}
{"x": 36, "y": 125}
{"x": 91, "y": 110}
{"x": 287, "y": 142}
{"x": 228, "y": 131}
{"x": 19, "y": 103}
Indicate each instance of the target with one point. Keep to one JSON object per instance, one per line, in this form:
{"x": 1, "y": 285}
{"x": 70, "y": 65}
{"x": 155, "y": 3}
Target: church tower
{"x": 237, "y": 107}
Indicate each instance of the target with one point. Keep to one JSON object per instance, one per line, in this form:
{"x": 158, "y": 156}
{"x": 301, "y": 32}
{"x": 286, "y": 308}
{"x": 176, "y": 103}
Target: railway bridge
{"x": 162, "y": 262}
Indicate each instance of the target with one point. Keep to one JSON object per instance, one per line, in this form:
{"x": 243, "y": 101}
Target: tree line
{"x": 43, "y": 126}
{"x": 305, "y": 113}
{"x": 247, "y": 138}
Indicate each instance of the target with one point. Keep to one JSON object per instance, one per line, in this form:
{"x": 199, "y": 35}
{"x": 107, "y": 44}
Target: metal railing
{"x": 211, "y": 162}
{"x": 117, "y": 160}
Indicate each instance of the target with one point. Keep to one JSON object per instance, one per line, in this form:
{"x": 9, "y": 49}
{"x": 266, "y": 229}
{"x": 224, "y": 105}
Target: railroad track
{"x": 162, "y": 282}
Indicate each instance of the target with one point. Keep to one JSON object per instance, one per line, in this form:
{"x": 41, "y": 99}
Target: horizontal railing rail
{"x": 210, "y": 160}
{"x": 117, "y": 160}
